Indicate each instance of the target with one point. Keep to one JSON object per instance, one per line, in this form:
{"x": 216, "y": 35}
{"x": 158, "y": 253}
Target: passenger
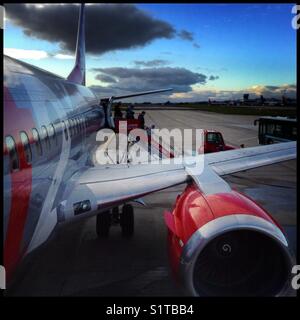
{"x": 148, "y": 129}
{"x": 141, "y": 118}
{"x": 118, "y": 112}
{"x": 129, "y": 112}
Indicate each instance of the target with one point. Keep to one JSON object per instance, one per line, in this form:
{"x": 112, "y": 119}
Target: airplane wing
{"x": 136, "y": 94}
{"x": 249, "y": 158}
{"x": 101, "y": 187}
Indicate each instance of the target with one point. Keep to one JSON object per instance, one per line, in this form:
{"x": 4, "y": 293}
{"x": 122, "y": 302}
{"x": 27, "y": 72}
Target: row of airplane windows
{"x": 49, "y": 136}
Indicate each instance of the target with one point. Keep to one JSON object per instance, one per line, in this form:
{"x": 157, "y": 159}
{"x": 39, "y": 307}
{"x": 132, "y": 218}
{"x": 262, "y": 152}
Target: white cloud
{"x": 268, "y": 91}
{"x": 34, "y": 54}
{"x": 26, "y": 54}
{"x": 63, "y": 56}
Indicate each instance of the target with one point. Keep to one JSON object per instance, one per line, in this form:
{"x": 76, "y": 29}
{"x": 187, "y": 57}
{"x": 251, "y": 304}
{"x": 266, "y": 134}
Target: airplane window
{"x": 65, "y": 130}
{"x": 37, "y": 140}
{"x": 51, "y": 131}
{"x": 71, "y": 127}
{"x": 55, "y": 138}
{"x": 26, "y": 146}
{"x": 78, "y": 125}
{"x": 44, "y": 134}
{"x": 74, "y": 127}
{"x": 13, "y": 155}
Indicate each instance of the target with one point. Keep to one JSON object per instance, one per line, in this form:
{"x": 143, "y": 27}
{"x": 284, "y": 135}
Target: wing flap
{"x": 249, "y": 158}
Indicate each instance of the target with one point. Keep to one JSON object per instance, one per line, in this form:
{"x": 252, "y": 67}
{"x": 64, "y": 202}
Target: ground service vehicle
{"x": 214, "y": 142}
{"x": 276, "y": 129}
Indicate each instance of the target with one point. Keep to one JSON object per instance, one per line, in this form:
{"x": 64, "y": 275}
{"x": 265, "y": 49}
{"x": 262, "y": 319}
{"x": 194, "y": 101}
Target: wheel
{"x": 127, "y": 220}
{"x": 115, "y": 215}
{"x": 103, "y": 223}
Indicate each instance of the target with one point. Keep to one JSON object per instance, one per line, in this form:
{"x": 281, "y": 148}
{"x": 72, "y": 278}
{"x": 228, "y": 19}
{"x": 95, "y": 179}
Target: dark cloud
{"x": 109, "y": 91}
{"x": 105, "y": 78}
{"x": 136, "y": 79}
{"x": 151, "y": 63}
{"x": 212, "y": 78}
{"x": 186, "y": 35}
{"x": 108, "y": 26}
{"x": 132, "y": 78}
{"x": 271, "y": 88}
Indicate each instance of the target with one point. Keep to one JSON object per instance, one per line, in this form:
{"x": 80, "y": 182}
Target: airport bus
{"x": 276, "y": 129}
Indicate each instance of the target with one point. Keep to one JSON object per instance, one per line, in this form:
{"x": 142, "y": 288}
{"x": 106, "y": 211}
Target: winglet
{"x": 77, "y": 75}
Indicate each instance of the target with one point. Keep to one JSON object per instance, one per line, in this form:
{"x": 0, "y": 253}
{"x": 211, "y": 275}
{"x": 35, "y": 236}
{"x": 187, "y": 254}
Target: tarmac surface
{"x": 76, "y": 263}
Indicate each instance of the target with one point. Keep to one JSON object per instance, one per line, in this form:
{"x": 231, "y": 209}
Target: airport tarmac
{"x": 76, "y": 263}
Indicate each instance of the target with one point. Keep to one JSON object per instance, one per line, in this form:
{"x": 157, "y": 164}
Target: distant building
{"x": 283, "y": 100}
{"x": 246, "y": 96}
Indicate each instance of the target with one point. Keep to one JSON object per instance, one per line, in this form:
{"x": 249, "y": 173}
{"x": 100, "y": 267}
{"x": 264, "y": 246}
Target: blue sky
{"x": 246, "y": 46}
{"x": 255, "y": 44}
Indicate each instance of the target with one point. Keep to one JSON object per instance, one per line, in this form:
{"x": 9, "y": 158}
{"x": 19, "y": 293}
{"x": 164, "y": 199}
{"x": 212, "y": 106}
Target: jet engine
{"x": 226, "y": 245}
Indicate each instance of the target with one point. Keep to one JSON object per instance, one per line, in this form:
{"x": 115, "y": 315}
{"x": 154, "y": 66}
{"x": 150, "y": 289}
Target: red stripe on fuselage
{"x": 16, "y": 120}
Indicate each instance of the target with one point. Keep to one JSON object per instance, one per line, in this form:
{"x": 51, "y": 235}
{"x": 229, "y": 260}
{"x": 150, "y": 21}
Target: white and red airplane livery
{"x": 221, "y": 242}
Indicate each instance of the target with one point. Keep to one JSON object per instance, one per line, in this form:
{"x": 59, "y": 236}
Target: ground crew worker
{"x": 118, "y": 112}
{"x": 148, "y": 129}
{"x": 141, "y": 118}
{"x": 130, "y": 112}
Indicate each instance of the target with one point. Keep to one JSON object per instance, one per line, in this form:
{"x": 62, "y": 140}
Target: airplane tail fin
{"x": 77, "y": 75}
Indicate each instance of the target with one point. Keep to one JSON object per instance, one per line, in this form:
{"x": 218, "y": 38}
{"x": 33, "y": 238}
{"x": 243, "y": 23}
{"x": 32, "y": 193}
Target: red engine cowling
{"x": 226, "y": 245}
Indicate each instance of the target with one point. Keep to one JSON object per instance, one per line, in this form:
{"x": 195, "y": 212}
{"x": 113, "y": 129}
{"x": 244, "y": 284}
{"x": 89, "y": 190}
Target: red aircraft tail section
{"x": 77, "y": 75}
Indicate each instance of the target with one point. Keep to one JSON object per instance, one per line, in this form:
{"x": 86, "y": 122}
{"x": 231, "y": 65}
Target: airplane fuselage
{"x": 49, "y": 131}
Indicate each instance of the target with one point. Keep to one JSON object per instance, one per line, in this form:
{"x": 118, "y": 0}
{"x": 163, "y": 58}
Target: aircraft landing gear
{"x": 106, "y": 219}
{"x": 127, "y": 220}
{"x": 115, "y": 215}
{"x": 103, "y": 223}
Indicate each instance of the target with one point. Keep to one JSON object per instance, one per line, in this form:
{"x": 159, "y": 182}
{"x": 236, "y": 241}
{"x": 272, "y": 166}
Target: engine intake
{"x": 236, "y": 255}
